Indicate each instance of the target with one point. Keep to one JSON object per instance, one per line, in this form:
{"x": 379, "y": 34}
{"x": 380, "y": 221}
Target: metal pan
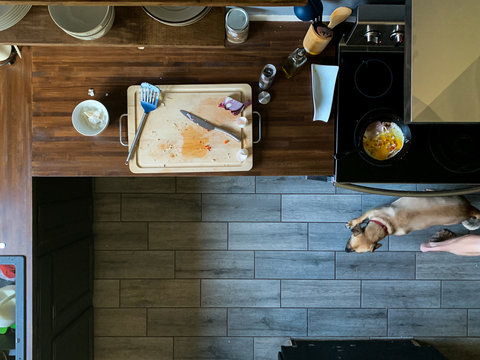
{"x": 382, "y": 115}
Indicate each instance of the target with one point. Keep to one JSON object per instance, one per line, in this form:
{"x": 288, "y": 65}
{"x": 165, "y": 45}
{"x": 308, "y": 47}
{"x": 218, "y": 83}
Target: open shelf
{"x": 132, "y": 27}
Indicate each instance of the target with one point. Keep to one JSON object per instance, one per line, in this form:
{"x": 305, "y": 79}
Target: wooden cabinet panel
{"x": 76, "y": 341}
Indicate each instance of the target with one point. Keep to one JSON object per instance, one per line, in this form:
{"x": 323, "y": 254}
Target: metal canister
{"x": 236, "y": 25}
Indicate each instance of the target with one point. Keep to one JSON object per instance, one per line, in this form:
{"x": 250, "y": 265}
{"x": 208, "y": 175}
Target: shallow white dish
{"x": 177, "y": 15}
{"x": 106, "y": 27}
{"x": 81, "y": 124}
{"x": 12, "y": 14}
{"x": 80, "y": 20}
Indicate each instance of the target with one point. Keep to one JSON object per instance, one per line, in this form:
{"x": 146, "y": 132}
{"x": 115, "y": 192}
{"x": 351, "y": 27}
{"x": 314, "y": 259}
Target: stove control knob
{"x": 397, "y": 37}
{"x": 373, "y": 37}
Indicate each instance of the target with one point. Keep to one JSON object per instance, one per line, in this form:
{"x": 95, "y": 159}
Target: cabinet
{"x": 63, "y": 268}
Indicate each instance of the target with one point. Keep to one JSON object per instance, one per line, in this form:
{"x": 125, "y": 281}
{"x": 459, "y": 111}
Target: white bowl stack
{"x": 177, "y": 15}
{"x": 12, "y": 14}
{"x": 83, "y": 22}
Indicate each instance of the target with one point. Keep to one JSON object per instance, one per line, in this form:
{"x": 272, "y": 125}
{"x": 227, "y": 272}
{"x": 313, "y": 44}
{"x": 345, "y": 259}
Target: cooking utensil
{"x": 339, "y": 15}
{"x": 149, "y": 95}
{"x": 309, "y": 12}
{"x": 207, "y": 125}
{"x": 382, "y": 115}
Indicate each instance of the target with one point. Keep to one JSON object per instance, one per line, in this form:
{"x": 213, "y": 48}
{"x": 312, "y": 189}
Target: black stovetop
{"x": 364, "y": 85}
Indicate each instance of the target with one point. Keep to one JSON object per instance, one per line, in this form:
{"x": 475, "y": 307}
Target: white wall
{"x": 285, "y": 13}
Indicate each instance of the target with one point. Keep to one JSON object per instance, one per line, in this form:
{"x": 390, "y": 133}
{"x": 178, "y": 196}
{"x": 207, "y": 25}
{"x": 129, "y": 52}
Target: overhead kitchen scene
{"x": 246, "y": 180}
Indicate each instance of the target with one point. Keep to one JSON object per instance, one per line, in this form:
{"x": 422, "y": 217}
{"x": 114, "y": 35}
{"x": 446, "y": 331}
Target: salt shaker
{"x": 267, "y": 76}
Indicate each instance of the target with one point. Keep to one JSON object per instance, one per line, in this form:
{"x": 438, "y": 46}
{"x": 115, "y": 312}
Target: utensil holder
{"x": 315, "y": 42}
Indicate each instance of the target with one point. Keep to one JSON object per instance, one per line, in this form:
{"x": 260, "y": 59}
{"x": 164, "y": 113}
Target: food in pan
{"x": 382, "y": 140}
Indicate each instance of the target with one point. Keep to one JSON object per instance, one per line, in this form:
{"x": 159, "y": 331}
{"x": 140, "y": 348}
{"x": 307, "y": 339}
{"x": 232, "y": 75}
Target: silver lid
{"x": 264, "y": 97}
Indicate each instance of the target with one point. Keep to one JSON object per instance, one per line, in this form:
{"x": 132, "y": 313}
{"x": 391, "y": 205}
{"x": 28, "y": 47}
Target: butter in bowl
{"x": 90, "y": 118}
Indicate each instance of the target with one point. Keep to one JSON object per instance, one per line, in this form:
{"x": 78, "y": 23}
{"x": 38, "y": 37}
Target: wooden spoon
{"x": 339, "y": 15}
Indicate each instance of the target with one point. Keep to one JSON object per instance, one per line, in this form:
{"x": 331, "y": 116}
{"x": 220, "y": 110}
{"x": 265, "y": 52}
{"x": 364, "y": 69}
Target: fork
{"x": 149, "y": 95}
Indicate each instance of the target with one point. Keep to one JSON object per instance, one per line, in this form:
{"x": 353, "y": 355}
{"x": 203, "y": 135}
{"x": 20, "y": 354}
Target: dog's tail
{"x": 473, "y": 223}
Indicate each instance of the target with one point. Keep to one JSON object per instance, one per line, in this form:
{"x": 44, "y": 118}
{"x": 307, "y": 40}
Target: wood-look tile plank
{"x": 347, "y": 322}
{"x": 165, "y": 207}
{"x": 106, "y": 207}
{"x": 187, "y": 236}
{"x": 267, "y": 236}
{"x": 320, "y": 208}
{"x": 134, "y": 185}
{"x": 378, "y": 265}
{"x": 187, "y": 322}
{"x": 106, "y": 293}
{"x": 138, "y": 348}
{"x": 120, "y": 235}
{"x": 444, "y": 266}
{"x": 320, "y": 293}
{"x": 241, "y": 207}
{"x": 134, "y": 264}
{"x": 292, "y": 185}
{"x": 220, "y": 184}
{"x": 160, "y": 293}
{"x": 460, "y": 294}
{"x": 427, "y": 322}
{"x": 474, "y": 322}
{"x": 400, "y": 294}
{"x": 214, "y": 264}
{"x": 120, "y": 322}
{"x": 294, "y": 265}
{"x": 267, "y": 348}
{"x": 237, "y": 293}
{"x": 213, "y": 348}
{"x": 267, "y": 322}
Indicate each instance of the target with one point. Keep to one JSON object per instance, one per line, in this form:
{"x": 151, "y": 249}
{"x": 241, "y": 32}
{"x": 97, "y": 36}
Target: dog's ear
{"x": 376, "y": 246}
{"x": 357, "y": 229}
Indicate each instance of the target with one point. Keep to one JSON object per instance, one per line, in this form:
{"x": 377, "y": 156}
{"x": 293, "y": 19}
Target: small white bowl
{"x": 80, "y": 120}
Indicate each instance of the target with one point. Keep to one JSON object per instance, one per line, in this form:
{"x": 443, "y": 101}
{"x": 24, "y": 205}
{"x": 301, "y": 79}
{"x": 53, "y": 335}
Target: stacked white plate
{"x": 177, "y": 15}
{"x": 83, "y": 22}
{"x": 12, "y": 14}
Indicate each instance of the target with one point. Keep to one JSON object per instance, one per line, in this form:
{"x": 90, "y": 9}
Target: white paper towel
{"x": 324, "y": 78}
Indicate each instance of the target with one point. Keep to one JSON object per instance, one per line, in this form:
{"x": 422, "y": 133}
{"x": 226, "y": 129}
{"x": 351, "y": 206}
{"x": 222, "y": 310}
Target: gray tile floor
{"x": 232, "y": 267}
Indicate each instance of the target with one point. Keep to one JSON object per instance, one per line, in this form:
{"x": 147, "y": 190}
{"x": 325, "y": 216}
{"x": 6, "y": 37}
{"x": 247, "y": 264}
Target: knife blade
{"x": 206, "y": 125}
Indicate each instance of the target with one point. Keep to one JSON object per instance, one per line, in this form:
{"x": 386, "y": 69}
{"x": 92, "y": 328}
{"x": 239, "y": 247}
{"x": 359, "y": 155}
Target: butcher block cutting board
{"x": 171, "y": 143}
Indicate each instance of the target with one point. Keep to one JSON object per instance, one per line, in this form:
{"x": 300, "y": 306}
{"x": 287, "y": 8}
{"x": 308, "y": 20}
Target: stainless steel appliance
{"x": 371, "y": 80}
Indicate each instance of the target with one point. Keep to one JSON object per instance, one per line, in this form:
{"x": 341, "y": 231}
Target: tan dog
{"x": 409, "y": 214}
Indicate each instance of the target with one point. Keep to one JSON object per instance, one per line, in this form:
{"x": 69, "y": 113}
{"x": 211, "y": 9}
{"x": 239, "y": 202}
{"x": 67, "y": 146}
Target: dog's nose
{"x": 348, "y": 248}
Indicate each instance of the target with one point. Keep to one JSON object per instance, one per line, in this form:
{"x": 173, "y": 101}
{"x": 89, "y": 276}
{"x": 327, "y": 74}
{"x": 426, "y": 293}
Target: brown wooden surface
{"x": 15, "y": 175}
{"x": 160, "y": 2}
{"x": 132, "y": 27}
{"x": 292, "y": 143}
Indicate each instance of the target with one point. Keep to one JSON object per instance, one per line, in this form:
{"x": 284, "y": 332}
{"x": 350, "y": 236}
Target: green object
{"x": 3, "y": 330}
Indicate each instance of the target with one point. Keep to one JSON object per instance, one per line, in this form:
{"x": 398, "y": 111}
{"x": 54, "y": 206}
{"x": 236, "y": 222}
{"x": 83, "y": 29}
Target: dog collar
{"x": 380, "y": 224}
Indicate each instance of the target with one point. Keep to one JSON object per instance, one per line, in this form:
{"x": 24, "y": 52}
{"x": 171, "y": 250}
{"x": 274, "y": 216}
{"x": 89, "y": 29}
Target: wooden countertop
{"x": 292, "y": 143}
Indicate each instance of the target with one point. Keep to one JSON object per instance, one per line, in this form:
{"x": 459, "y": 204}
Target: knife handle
{"x": 233, "y": 136}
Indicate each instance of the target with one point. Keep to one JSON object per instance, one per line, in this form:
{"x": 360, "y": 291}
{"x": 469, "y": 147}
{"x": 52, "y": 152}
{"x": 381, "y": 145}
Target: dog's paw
{"x": 351, "y": 224}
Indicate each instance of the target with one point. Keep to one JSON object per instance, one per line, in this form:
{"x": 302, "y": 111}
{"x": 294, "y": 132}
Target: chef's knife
{"x": 207, "y": 125}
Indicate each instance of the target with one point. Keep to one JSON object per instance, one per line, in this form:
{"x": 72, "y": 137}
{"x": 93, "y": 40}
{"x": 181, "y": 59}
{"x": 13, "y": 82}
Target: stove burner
{"x": 455, "y": 148}
{"x": 373, "y": 78}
